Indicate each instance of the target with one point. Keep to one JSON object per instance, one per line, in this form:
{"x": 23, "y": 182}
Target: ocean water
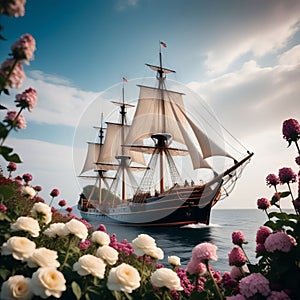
{"x": 180, "y": 241}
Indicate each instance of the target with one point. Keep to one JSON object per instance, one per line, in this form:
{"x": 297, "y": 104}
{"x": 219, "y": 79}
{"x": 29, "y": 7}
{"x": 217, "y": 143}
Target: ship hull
{"x": 180, "y": 206}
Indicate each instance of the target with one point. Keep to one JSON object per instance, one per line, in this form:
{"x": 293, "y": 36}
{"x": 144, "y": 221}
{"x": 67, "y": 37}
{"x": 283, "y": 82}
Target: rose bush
{"x": 48, "y": 255}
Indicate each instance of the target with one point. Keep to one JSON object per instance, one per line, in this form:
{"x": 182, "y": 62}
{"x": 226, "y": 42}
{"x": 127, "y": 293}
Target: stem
{"x": 67, "y": 253}
{"x": 214, "y": 281}
{"x": 267, "y": 214}
{"x": 245, "y": 254}
{"x": 51, "y": 201}
{"x": 290, "y": 191}
{"x": 296, "y": 142}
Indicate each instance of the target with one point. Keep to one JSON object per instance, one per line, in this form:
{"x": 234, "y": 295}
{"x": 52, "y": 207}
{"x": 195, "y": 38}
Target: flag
{"x": 163, "y": 44}
{"x": 124, "y": 79}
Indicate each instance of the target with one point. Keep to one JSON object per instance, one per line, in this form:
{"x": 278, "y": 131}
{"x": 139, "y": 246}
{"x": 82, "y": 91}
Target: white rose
{"x": 77, "y": 228}
{"x": 16, "y": 287}
{"x": 26, "y": 224}
{"x": 100, "y": 237}
{"x": 47, "y": 281}
{"x": 43, "y": 257}
{"x": 43, "y": 211}
{"x": 108, "y": 254}
{"x": 155, "y": 252}
{"x": 123, "y": 278}
{"x": 28, "y": 191}
{"x": 20, "y": 247}
{"x": 142, "y": 244}
{"x": 174, "y": 260}
{"x": 166, "y": 277}
{"x": 90, "y": 264}
{"x": 56, "y": 229}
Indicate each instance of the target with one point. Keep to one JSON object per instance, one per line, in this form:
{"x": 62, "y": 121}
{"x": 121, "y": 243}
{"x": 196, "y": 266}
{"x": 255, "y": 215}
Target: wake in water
{"x": 201, "y": 225}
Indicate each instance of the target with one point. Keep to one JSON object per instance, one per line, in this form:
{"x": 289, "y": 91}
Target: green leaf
{"x": 76, "y": 290}
{"x": 6, "y": 153}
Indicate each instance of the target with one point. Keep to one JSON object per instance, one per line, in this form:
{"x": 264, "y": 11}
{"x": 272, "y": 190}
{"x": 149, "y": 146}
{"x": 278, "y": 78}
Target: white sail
{"x": 113, "y": 146}
{"x": 154, "y": 114}
{"x": 91, "y": 157}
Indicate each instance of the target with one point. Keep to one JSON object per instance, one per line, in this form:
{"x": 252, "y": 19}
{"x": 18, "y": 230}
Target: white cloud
{"x": 290, "y": 57}
{"x": 50, "y": 165}
{"x": 269, "y": 31}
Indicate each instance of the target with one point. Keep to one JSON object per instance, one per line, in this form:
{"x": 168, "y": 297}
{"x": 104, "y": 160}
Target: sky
{"x": 241, "y": 57}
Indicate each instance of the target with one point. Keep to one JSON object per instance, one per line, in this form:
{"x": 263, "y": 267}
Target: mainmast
{"x": 161, "y": 139}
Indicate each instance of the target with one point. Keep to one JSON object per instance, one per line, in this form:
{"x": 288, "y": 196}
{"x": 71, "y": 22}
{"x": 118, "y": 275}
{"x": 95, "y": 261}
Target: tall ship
{"x": 143, "y": 167}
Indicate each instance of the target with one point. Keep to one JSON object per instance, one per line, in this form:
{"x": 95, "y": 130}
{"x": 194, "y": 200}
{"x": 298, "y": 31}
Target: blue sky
{"x": 242, "y": 57}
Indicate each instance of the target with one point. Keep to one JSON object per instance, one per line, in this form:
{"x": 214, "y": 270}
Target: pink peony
{"x": 13, "y": 8}
{"x": 279, "y": 241}
{"x": 238, "y": 238}
{"x": 263, "y": 203}
{"x": 291, "y": 130}
{"x": 24, "y": 48}
{"x": 237, "y": 257}
{"x": 15, "y": 120}
{"x": 204, "y": 252}
{"x": 54, "y": 193}
{"x": 262, "y": 233}
{"x": 11, "y": 167}
{"x": 16, "y": 76}
{"x": 287, "y": 175}
{"x": 194, "y": 267}
{"x": 27, "y": 99}
{"x": 272, "y": 180}
{"x": 253, "y": 284}
{"x": 84, "y": 245}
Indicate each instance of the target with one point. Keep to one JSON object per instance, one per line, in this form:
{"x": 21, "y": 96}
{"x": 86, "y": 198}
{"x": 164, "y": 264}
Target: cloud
{"x": 59, "y": 102}
{"x": 266, "y": 31}
{"x": 290, "y": 57}
{"x": 51, "y": 166}
{"x": 124, "y": 4}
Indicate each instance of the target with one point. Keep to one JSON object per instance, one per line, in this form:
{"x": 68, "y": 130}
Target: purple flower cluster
{"x": 272, "y": 180}
{"x": 123, "y": 246}
{"x": 287, "y": 175}
{"x": 263, "y": 203}
{"x": 291, "y": 130}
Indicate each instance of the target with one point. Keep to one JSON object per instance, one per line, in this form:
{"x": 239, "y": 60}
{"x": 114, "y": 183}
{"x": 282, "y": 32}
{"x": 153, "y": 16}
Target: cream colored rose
{"x": 56, "y": 229}
{"x": 77, "y": 228}
{"x": 123, "y": 278}
{"x": 100, "y": 237}
{"x": 42, "y": 211}
{"x": 26, "y": 224}
{"x": 166, "y": 278}
{"x": 16, "y": 287}
{"x": 155, "y": 252}
{"x": 47, "y": 281}
{"x": 143, "y": 243}
{"x": 174, "y": 260}
{"x": 28, "y": 191}
{"x": 20, "y": 247}
{"x": 43, "y": 257}
{"x": 90, "y": 264}
{"x": 108, "y": 254}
